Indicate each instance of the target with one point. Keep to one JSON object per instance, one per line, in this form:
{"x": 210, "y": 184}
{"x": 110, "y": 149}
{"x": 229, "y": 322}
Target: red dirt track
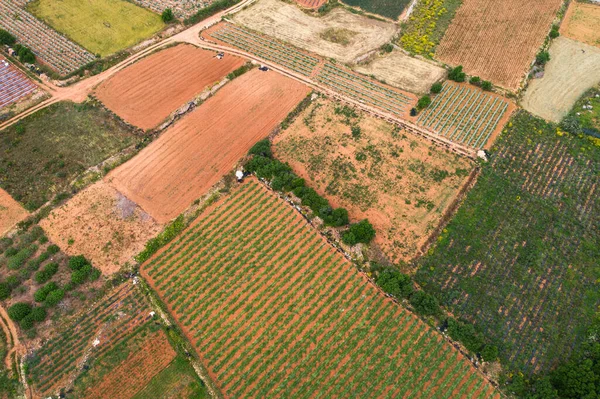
{"x": 189, "y": 158}
{"x": 147, "y": 92}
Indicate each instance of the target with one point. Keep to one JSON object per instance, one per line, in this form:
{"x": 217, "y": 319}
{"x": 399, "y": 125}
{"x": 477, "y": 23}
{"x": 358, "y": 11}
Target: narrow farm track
{"x": 279, "y": 289}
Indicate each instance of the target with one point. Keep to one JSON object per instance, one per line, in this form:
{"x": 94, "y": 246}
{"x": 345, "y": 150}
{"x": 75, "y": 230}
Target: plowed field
{"x": 582, "y": 22}
{"x": 489, "y": 39}
{"x": 147, "y": 92}
{"x": 290, "y": 317}
{"x": 11, "y": 212}
{"x": 186, "y": 160}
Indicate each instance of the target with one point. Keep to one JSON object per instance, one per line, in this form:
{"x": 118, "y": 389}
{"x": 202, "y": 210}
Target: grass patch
{"x": 386, "y": 8}
{"x": 520, "y": 258}
{"x": 45, "y": 151}
{"x": 176, "y": 381}
{"x": 339, "y": 36}
{"x": 101, "y": 26}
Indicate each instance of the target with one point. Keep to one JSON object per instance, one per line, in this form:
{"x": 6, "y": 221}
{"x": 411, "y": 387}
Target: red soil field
{"x": 497, "y": 40}
{"x": 147, "y": 92}
{"x": 186, "y": 160}
{"x": 11, "y": 212}
{"x": 314, "y": 4}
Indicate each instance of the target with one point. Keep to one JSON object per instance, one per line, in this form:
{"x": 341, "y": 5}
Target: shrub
{"x": 46, "y": 273}
{"x": 25, "y": 55}
{"x": 26, "y": 323}
{"x": 489, "y": 353}
{"x": 571, "y": 124}
{"x": 475, "y": 80}
{"x": 355, "y": 132}
{"x": 95, "y": 274}
{"x": 81, "y": 275}
{"x": 465, "y": 333}
{"x": 423, "y": 102}
{"x": 19, "y": 311}
{"x": 52, "y": 249}
{"x": 554, "y": 33}
{"x": 436, "y": 88}
{"x": 361, "y": 232}
{"x": 387, "y": 48}
{"x": 262, "y": 148}
{"x": 334, "y": 217}
{"x": 4, "y": 291}
{"x": 78, "y": 262}
{"x": 13, "y": 281}
{"x": 167, "y": 15}
{"x": 424, "y": 303}
{"x": 240, "y": 71}
{"x": 486, "y": 85}
{"x": 38, "y": 314}
{"x": 6, "y": 38}
{"x": 17, "y": 260}
{"x": 542, "y": 58}
{"x": 212, "y": 9}
{"x": 55, "y": 296}
{"x": 41, "y": 294}
{"x": 395, "y": 283}
{"x": 457, "y": 74}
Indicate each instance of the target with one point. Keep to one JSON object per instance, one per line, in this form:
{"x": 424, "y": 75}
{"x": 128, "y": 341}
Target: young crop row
{"x": 526, "y": 274}
{"x": 252, "y": 277}
{"x": 110, "y": 321}
{"x": 464, "y": 114}
{"x": 266, "y": 48}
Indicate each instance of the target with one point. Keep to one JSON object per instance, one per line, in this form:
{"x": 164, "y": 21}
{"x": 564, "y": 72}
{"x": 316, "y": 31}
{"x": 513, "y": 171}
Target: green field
{"x": 179, "y": 380}
{"x": 386, "y": 8}
{"x": 289, "y": 317}
{"x": 44, "y": 152}
{"x": 101, "y": 26}
{"x": 520, "y": 258}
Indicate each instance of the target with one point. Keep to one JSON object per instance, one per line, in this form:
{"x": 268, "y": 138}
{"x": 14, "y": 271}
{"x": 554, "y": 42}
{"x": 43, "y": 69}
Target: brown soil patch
{"x": 314, "y": 4}
{"x": 288, "y": 23}
{"x": 11, "y": 212}
{"x": 488, "y": 38}
{"x": 101, "y": 224}
{"x": 582, "y": 22}
{"x": 147, "y": 92}
{"x": 403, "y": 71}
{"x": 188, "y": 159}
{"x": 402, "y": 183}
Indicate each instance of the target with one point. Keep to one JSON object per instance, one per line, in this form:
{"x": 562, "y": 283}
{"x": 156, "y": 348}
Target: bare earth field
{"x": 11, "y": 212}
{"x": 572, "y": 69}
{"x": 147, "y": 92}
{"x": 405, "y": 72}
{"x": 101, "y": 224}
{"x": 488, "y": 38}
{"x": 402, "y": 183}
{"x": 582, "y": 23}
{"x": 189, "y": 158}
{"x": 340, "y": 34}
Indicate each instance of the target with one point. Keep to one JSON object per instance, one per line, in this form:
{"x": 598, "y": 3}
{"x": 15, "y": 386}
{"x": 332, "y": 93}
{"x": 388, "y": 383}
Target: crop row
{"x": 251, "y": 277}
{"x": 464, "y": 114}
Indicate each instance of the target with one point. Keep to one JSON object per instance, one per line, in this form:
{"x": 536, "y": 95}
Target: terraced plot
{"x": 466, "y": 115}
{"x": 274, "y": 311}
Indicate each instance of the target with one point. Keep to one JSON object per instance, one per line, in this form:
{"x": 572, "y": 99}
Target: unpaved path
{"x": 15, "y": 348}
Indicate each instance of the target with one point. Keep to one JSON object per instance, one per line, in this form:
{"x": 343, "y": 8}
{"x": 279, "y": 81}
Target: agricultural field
{"x": 149, "y": 91}
{"x": 402, "y": 183}
{"x": 181, "y": 8}
{"x": 402, "y": 71}
{"x": 487, "y": 38}
{"x": 339, "y": 34}
{"x": 313, "y": 4}
{"x": 332, "y": 332}
{"x": 391, "y": 9}
{"x": 102, "y": 224}
{"x": 571, "y": 71}
{"x": 466, "y": 115}
{"x": 520, "y": 258}
{"x": 34, "y": 167}
{"x": 205, "y": 145}
{"x": 103, "y": 27}
{"x": 11, "y": 212}
{"x": 581, "y": 23}
{"x": 14, "y": 85}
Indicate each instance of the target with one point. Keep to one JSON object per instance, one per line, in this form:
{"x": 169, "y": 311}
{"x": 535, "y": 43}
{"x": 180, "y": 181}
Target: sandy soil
{"x": 572, "y": 69}
{"x": 189, "y": 158}
{"x": 148, "y": 91}
{"x": 404, "y": 72}
{"x": 11, "y": 212}
{"x": 386, "y": 175}
{"x": 488, "y": 39}
{"x": 286, "y": 22}
{"x": 582, "y": 23}
{"x": 101, "y": 224}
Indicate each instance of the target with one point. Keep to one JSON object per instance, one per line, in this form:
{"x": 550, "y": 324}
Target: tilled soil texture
{"x": 488, "y": 38}
{"x": 314, "y": 4}
{"x": 147, "y": 92}
{"x": 572, "y": 70}
{"x": 582, "y": 23}
{"x": 274, "y": 311}
{"x": 402, "y": 183}
{"x": 339, "y": 34}
{"x": 405, "y": 72}
{"x": 189, "y": 158}
{"x": 103, "y": 225}
{"x": 11, "y": 212}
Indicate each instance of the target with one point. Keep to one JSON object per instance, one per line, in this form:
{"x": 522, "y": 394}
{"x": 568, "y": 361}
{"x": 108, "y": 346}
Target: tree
{"x": 334, "y": 217}
{"x": 361, "y": 232}
{"x": 38, "y": 314}
{"x": 395, "y": 283}
{"x": 475, "y": 80}
{"x": 576, "y": 380}
{"x": 27, "y": 322}
{"x": 4, "y": 291}
{"x": 19, "y": 311}
{"x": 355, "y": 131}
{"x": 486, "y": 85}
{"x": 262, "y": 148}
{"x": 41, "y": 294}
{"x": 436, "y": 88}
{"x": 542, "y": 58}
{"x": 55, "y": 297}
{"x": 457, "y": 74}
{"x": 465, "y": 333}
{"x": 424, "y": 102}
{"x": 6, "y": 38}
{"x": 571, "y": 124}
{"x": 424, "y": 303}
{"x": 554, "y": 33}
{"x": 25, "y": 55}
{"x": 78, "y": 262}
{"x": 167, "y": 15}
{"x": 489, "y": 353}
{"x": 387, "y": 48}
